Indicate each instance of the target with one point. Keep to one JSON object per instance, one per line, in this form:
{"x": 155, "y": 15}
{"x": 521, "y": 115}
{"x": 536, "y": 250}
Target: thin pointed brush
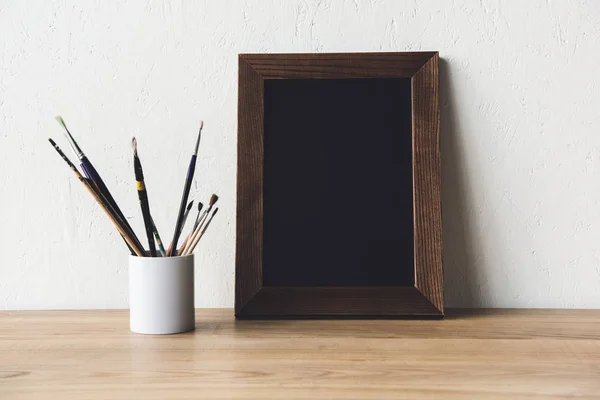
{"x": 201, "y": 220}
{"x": 185, "y": 217}
{"x": 143, "y": 196}
{"x": 184, "y": 197}
{"x": 184, "y": 249}
{"x": 90, "y": 172}
{"x": 196, "y": 222}
{"x": 211, "y": 202}
{"x": 195, "y": 243}
{"x": 134, "y": 247}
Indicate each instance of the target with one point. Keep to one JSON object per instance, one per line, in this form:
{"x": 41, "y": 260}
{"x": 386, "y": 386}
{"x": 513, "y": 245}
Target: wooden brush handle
{"x": 188, "y": 242}
{"x": 185, "y": 242}
{"x": 135, "y": 246}
{"x": 185, "y": 249}
{"x": 197, "y": 239}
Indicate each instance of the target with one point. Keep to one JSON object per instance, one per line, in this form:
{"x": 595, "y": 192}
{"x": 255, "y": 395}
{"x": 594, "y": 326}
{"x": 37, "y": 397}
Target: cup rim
{"x": 135, "y": 256}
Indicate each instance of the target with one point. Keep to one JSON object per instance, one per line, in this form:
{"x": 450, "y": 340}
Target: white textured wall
{"x": 521, "y": 135}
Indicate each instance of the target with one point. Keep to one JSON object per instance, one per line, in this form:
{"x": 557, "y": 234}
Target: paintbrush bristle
{"x": 189, "y": 206}
{"x": 134, "y": 146}
{"x": 199, "y": 135}
{"x": 61, "y": 121}
{"x": 213, "y": 200}
{"x": 200, "y": 205}
{"x": 74, "y": 146}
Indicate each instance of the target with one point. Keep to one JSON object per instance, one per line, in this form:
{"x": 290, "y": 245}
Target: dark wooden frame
{"x": 426, "y": 297}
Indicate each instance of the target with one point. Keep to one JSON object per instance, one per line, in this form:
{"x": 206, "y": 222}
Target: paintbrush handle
{"x": 161, "y": 248}
{"x": 195, "y": 233}
{"x": 106, "y": 208}
{"x": 184, "y": 243}
{"x": 195, "y": 242}
{"x": 181, "y": 231}
{"x": 182, "y": 206}
{"x": 143, "y": 197}
{"x": 132, "y": 237}
{"x": 91, "y": 173}
{"x": 129, "y": 232}
{"x": 185, "y": 217}
{"x": 144, "y": 204}
{"x": 201, "y": 217}
{"x": 88, "y": 185}
{"x": 188, "y": 242}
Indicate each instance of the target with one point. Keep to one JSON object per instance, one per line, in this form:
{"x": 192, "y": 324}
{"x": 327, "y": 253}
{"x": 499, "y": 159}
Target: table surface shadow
{"x": 470, "y": 354}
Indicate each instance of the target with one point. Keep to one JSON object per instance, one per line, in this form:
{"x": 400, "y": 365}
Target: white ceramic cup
{"x": 161, "y": 294}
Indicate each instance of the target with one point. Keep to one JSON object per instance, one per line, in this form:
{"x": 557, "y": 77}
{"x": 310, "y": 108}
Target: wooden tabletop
{"x": 477, "y": 354}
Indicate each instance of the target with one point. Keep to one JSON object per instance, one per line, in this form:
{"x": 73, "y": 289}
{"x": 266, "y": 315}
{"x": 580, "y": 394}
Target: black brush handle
{"x": 90, "y": 185}
{"x": 92, "y": 174}
{"x": 143, "y": 196}
{"x": 183, "y": 205}
{"x": 87, "y": 173}
{"x": 144, "y": 204}
{"x": 110, "y": 210}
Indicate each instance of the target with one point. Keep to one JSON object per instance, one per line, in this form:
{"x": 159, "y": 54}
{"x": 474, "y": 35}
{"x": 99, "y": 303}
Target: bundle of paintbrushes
{"x": 96, "y": 187}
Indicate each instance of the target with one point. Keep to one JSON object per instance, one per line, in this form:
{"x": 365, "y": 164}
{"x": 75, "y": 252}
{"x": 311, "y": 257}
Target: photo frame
{"x": 338, "y": 186}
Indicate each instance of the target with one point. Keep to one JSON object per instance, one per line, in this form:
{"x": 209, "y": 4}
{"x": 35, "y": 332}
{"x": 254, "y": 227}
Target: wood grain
{"x": 338, "y": 65}
{"x": 471, "y": 354}
{"x": 339, "y": 301}
{"x": 426, "y": 298}
{"x": 427, "y": 183}
{"x": 248, "y": 257}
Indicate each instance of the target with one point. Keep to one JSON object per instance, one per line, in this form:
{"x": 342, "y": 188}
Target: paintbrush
{"x": 143, "y": 197}
{"x": 127, "y": 235}
{"x": 134, "y": 246}
{"x": 196, "y": 222}
{"x": 90, "y": 172}
{"x": 161, "y": 248}
{"x": 185, "y": 217}
{"x": 196, "y": 232}
{"x": 186, "y": 193}
{"x": 211, "y": 202}
{"x": 195, "y": 243}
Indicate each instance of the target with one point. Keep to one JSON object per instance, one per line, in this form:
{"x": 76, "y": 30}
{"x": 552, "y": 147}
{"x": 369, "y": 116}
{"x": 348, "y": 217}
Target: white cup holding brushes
{"x": 161, "y": 282}
{"x": 161, "y": 294}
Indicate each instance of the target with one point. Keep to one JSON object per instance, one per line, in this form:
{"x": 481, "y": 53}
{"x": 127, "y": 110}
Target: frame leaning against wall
{"x": 425, "y": 298}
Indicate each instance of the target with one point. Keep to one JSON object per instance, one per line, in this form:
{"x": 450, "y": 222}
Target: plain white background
{"x": 520, "y": 135}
